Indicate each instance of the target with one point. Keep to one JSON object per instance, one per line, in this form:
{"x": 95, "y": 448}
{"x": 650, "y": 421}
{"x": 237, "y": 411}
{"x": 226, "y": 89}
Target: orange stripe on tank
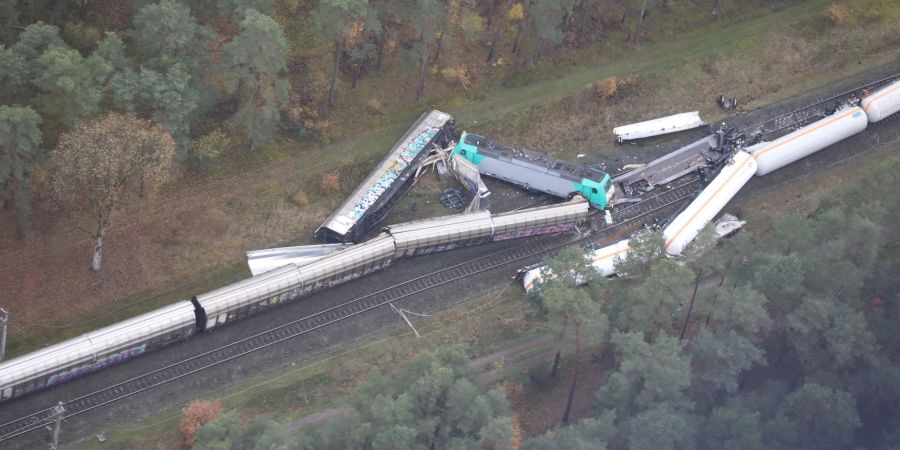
{"x": 680, "y": 230}
{"x": 804, "y": 133}
{"x": 616, "y": 253}
{"x": 879, "y": 95}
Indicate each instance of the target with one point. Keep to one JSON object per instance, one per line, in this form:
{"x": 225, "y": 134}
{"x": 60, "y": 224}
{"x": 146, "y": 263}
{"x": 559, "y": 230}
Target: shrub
{"x": 541, "y": 375}
{"x": 516, "y": 12}
{"x": 82, "y": 36}
{"x": 374, "y": 107}
{"x": 208, "y": 148}
{"x": 839, "y": 13}
{"x": 516, "y": 440}
{"x": 197, "y": 413}
{"x": 300, "y": 198}
{"x": 606, "y": 87}
{"x": 331, "y": 182}
{"x": 305, "y": 121}
{"x": 458, "y": 75}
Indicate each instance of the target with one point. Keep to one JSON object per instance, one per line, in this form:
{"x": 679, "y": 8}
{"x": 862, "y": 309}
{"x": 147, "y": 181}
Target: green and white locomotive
{"x": 534, "y": 170}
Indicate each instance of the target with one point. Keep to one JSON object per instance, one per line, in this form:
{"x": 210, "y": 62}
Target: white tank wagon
{"x": 771, "y": 156}
{"x": 704, "y": 208}
{"x": 603, "y": 260}
{"x": 882, "y": 103}
{"x": 606, "y": 258}
{"x": 96, "y": 350}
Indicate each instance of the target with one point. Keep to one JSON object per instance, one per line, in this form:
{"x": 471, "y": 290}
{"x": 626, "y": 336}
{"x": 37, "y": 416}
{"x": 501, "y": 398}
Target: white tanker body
{"x": 603, "y": 260}
{"x": 766, "y": 157}
{"x": 882, "y": 103}
{"x": 704, "y": 208}
{"x": 771, "y": 156}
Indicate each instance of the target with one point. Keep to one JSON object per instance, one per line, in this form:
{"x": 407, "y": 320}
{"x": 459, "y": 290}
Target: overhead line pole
{"x": 58, "y": 411}
{"x": 4, "y": 320}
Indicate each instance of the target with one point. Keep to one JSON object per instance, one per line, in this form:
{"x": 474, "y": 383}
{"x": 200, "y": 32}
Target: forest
{"x": 775, "y": 338}
{"x": 197, "y": 79}
{"x": 205, "y": 83}
{"x": 779, "y": 338}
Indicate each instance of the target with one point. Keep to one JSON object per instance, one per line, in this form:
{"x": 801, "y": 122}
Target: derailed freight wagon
{"x": 390, "y": 180}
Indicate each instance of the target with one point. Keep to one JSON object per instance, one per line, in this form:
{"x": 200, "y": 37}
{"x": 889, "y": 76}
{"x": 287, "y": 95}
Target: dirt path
{"x": 194, "y": 239}
{"x": 318, "y": 417}
{"x": 538, "y": 341}
{"x": 481, "y": 365}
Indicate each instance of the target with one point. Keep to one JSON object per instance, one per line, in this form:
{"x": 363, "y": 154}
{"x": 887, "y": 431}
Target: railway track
{"x": 775, "y": 127}
{"x": 625, "y": 217}
{"x": 622, "y": 218}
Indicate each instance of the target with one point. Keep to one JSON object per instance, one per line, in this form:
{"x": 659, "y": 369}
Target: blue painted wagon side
{"x": 389, "y": 181}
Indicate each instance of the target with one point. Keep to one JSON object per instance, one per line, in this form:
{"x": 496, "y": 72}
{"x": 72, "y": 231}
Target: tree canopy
{"x": 573, "y": 312}
{"x": 109, "y": 162}
{"x": 778, "y": 353}
{"x": 255, "y": 60}
{"x": 436, "y": 402}
{"x": 20, "y": 141}
{"x": 175, "y": 60}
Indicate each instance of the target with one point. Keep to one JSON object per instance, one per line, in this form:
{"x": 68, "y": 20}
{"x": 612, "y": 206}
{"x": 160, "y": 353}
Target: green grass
{"x": 516, "y": 101}
{"x": 324, "y": 383}
{"x": 641, "y": 60}
{"x": 513, "y": 103}
{"x": 497, "y": 321}
{"x": 23, "y": 341}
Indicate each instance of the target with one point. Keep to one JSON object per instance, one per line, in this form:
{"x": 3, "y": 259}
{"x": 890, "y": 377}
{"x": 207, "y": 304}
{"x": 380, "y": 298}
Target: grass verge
{"x": 496, "y": 321}
{"x": 232, "y": 209}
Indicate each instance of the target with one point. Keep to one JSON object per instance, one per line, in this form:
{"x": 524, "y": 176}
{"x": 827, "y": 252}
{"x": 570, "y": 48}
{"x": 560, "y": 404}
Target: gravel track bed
{"x": 317, "y": 344}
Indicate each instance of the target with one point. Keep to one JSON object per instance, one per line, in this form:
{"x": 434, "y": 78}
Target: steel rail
{"x": 39, "y": 419}
{"x": 334, "y": 314}
{"x": 781, "y": 120}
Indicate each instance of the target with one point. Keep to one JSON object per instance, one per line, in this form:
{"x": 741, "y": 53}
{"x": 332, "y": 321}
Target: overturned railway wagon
{"x": 391, "y": 179}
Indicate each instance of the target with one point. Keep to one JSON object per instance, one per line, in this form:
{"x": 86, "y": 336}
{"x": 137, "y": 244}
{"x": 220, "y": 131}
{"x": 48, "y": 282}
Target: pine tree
{"x": 20, "y": 143}
{"x": 654, "y": 304}
{"x": 70, "y": 87}
{"x": 255, "y": 63}
{"x": 821, "y": 417}
{"x": 571, "y": 309}
{"x": 588, "y": 434}
{"x": 436, "y": 402}
{"x": 727, "y": 342}
{"x": 9, "y": 20}
{"x": 334, "y": 21}
{"x": 174, "y": 59}
{"x": 426, "y": 16}
{"x": 732, "y": 427}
